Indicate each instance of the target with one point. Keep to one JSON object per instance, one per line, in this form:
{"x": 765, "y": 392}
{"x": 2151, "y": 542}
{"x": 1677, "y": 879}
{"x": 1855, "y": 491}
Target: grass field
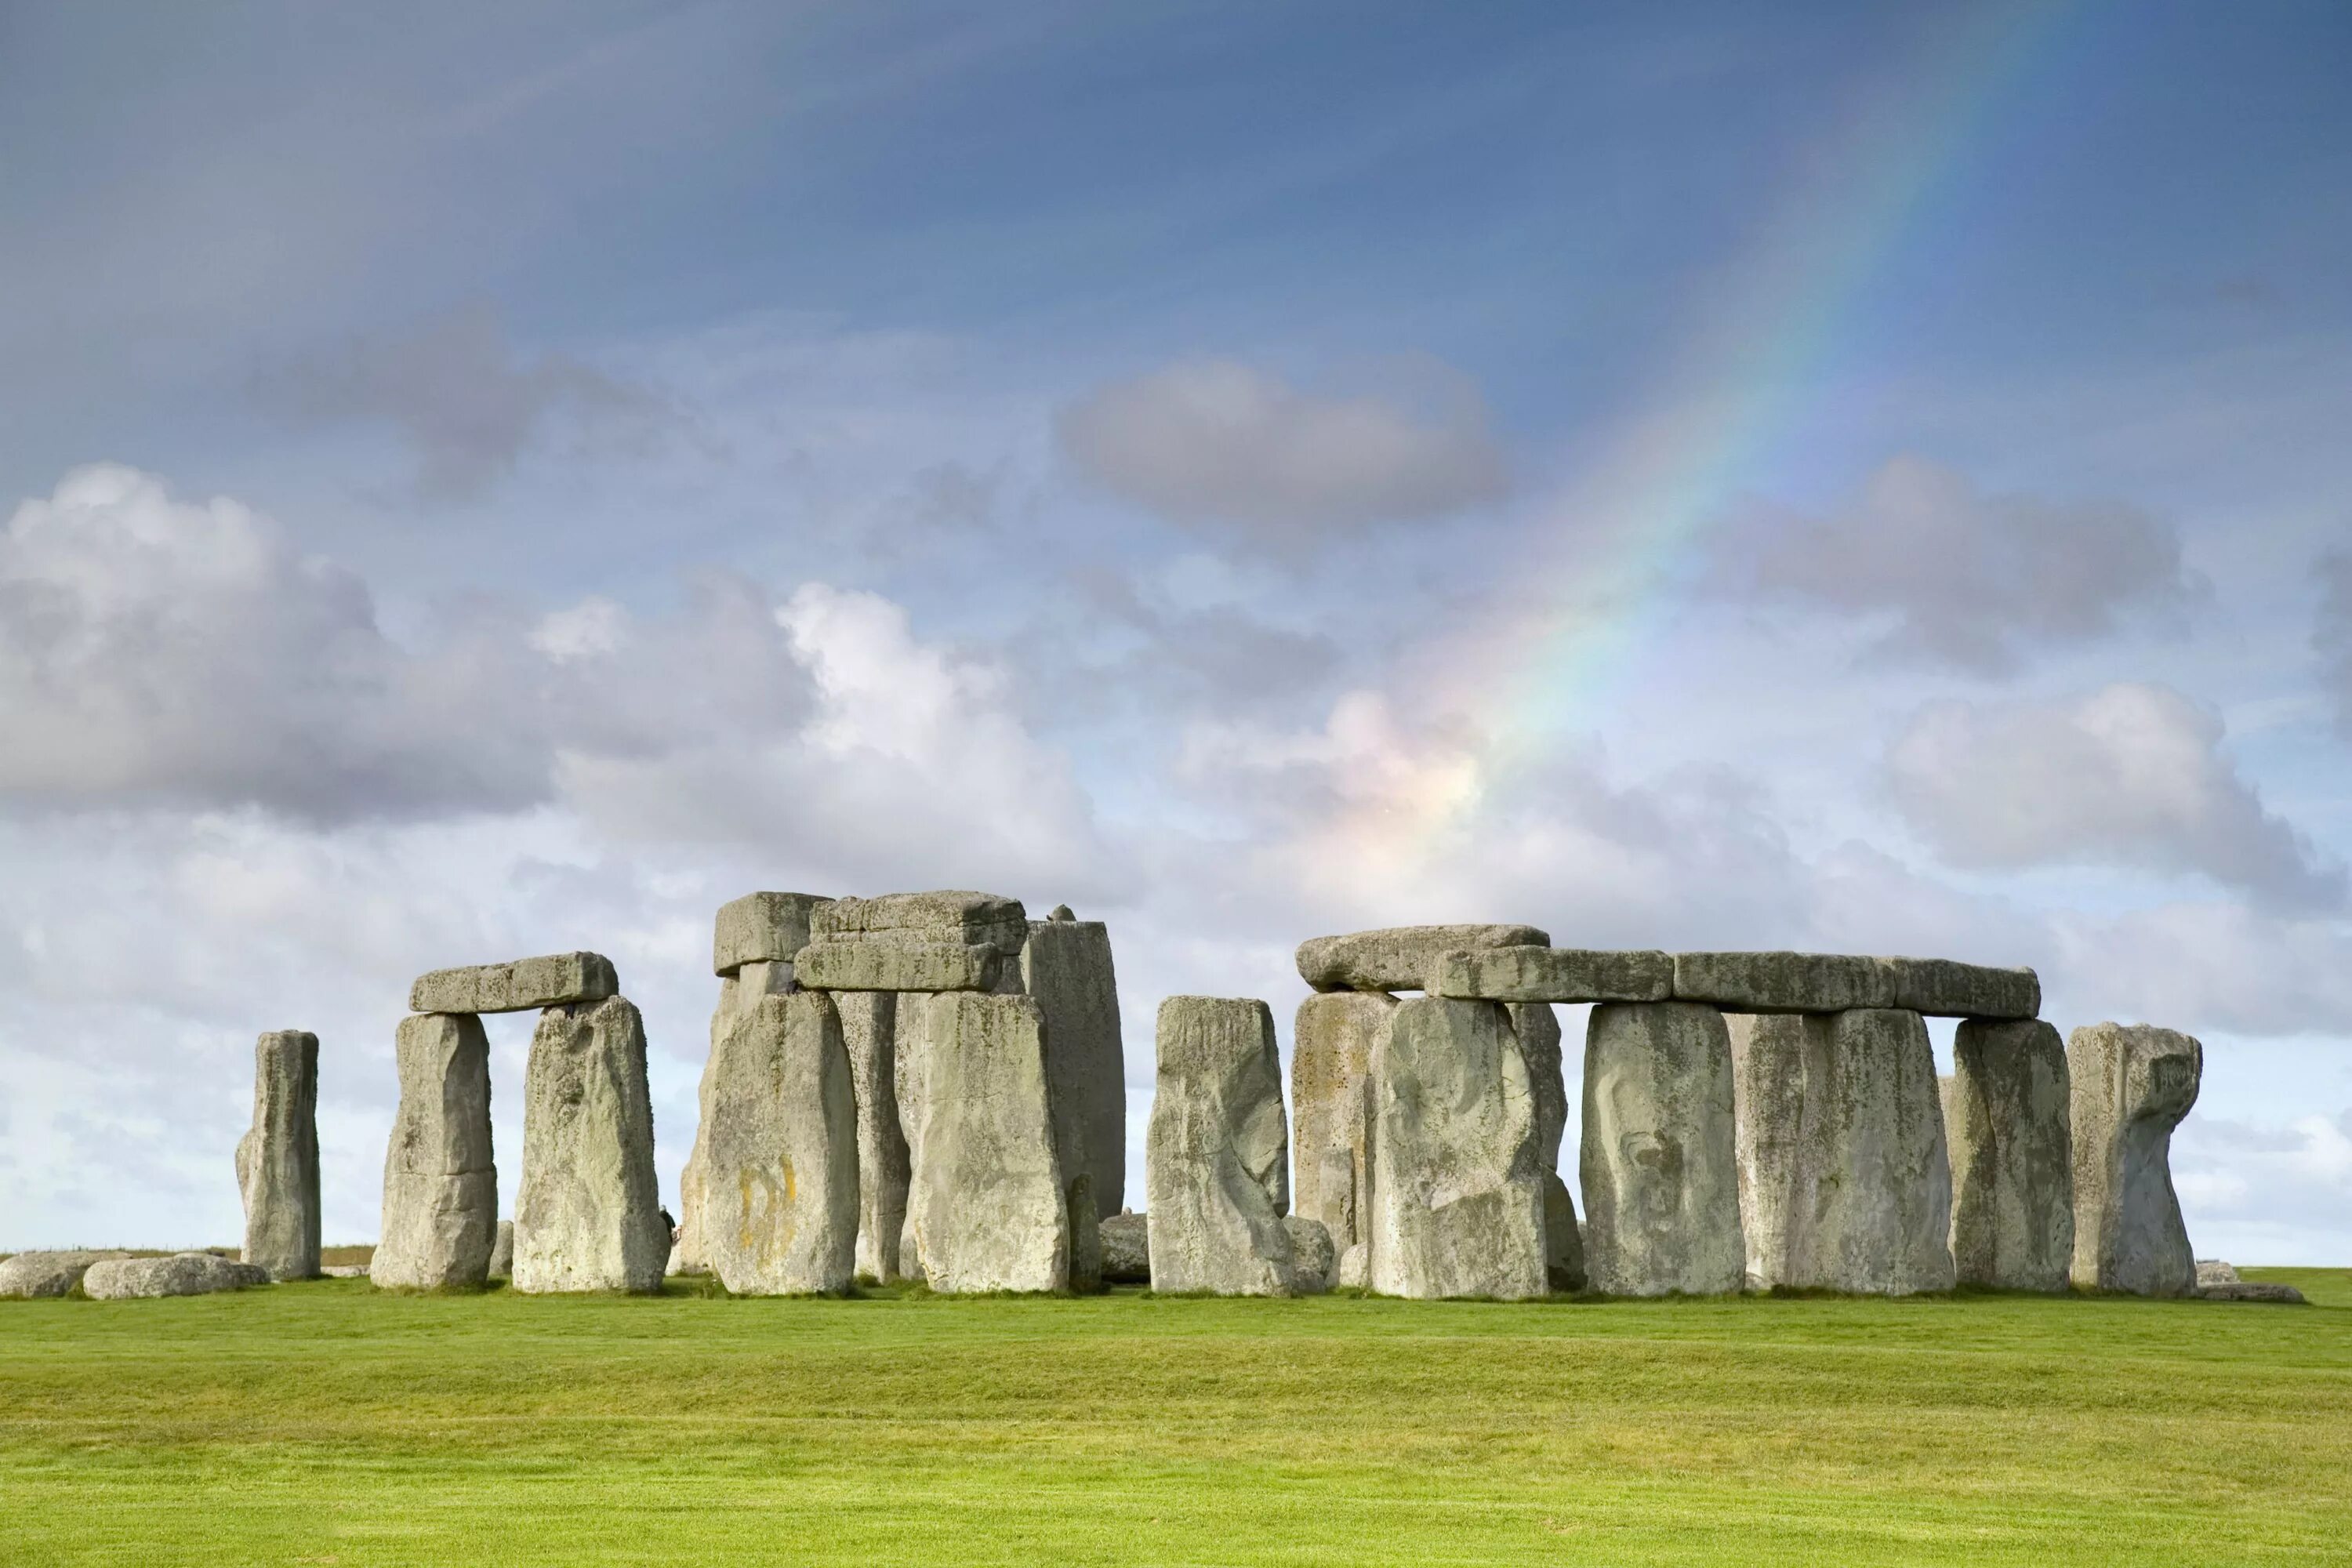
{"x": 329, "y": 1423}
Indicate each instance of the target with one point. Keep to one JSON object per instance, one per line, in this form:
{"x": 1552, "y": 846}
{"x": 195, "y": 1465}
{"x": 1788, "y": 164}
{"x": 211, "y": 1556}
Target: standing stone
{"x": 1858, "y": 1196}
{"x": 1538, "y": 1032}
{"x": 740, "y": 990}
{"x": 1336, "y": 1035}
{"x": 503, "y": 1252}
{"x": 440, "y": 1184}
{"x": 869, "y": 1032}
{"x": 1216, "y": 1156}
{"x": 589, "y": 1214}
{"x": 1066, "y": 968}
{"x": 1659, "y": 1157}
{"x": 1457, "y": 1196}
{"x": 987, "y": 1206}
{"x": 779, "y": 1211}
{"x": 2131, "y": 1084}
{"x": 278, "y": 1158}
{"x": 2006, "y": 1116}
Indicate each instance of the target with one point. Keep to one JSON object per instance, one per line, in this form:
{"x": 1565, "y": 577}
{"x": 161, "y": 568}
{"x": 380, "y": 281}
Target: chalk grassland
{"x": 327, "y": 1422}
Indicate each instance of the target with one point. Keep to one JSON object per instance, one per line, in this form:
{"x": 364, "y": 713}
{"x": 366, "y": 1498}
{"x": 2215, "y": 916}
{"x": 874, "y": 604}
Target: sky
{"x": 492, "y": 479}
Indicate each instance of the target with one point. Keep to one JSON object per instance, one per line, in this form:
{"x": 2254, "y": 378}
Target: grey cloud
{"x": 465, "y": 405}
{"x": 1948, "y": 574}
{"x": 2130, "y": 776}
{"x": 2331, "y": 635}
{"x": 1222, "y": 446}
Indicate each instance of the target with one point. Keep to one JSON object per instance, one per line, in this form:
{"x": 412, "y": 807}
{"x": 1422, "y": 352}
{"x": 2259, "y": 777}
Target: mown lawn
{"x": 329, "y": 1423}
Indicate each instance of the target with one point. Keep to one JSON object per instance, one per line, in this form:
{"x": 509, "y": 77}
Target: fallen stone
{"x": 869, "y": 1033}
{"x": 2006, "y": 1120}
{"x": 1659, "y": 1155}
{"x": 1399, "y": 958}
{"x": 30, "y": 1274}
{"x": 2213, "y": 1271}
{"x": 987, "y": 1204}
{"x": 516, "y": 987}
{"x": 1313, "y": 1261}
{"x": 588, "y": 1216}
{"x": 343, "y": 1270}
{"x": 1783, "y": 982}
{"x": 1941, "y": 988}
{"x": 1216, "y": 1155}
{"x": 2252, "y": 1291}
{"x": 761, "y": 927}
{"x": 2130, "y": 1086}
{"x": 181, "y": 1274}
{"x": 440, "y": 1182}
{"x": 1354, "y": 1272}
{"x": 1066, "y": 968}
{"x": 958, "y": 918}
{"x": 1768, "y": 1071}
{"x": 1552, "y": 975}
{"x": 503, "y": 1252}
{"x": 780, "y": 1211}
{"x": 278, "y": 1158}
{"x": 1335, "y": 1037}
{"x": 891, "y": 961}
{"x": 1458, "y": 1194}
{"x": 1126, "y": 1249}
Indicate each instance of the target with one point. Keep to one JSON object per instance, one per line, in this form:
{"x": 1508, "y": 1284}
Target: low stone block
{"x": 2253, "y": 1290}
{"x": 780, "y": 1209}
{"x": 1313, "y": 1261}
{"x": 440, "y": 1182}
{"x": 1783, "y": 982}
{"x": 278, "y": 1158}
{"x": 1399, "y": 958}
{"x": 1335, "y": 1037}
{"x": 1457, "y": 1193}
{"x": 33, "y": 1274}
{"x": 1216, "y": 1155}
{"x": 181, "y": 1274}
{"x": 1658, "y": 1157}
{"x": 988, "y": 1206}
{"x": 588, "y": 1216}
{"x": 503, "y": 1252}
{"x": 890, "y": 962}
{"x": 1941, "y": 988}
{"x": 2006, "y": 1118}
{"x": 955, "y": 917}
{"x": 1126, "y": 1249}
{"x": 2214, "y": 1271}
{"x": 518, "y": 987}
{"x": 761, "y": 927}
{"x": 1568, "y": 974}
{"x": 2130, "y": 1085}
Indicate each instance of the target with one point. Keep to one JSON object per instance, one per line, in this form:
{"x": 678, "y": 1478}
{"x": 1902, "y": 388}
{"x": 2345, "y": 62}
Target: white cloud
{"x": 2131, "y": 776}
{"x": 2331, "y": 635}
{"x": 1218, "y": 444}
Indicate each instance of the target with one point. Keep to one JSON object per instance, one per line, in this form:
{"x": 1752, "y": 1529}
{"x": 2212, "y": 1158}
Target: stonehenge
{"x": 34, "y": 1274}
{"x": 2129, "y": 1087}
{"x": 869, "y": 1032}
{"x": 278, "y": 1158}
{"x": 181, "y": 1274}
{"x": 588, "y": 1214}
{"x": 2007, "y": 1122}
{"x": 440, "y": 1184}
{"x": 1538, "y": 1032}
{"x": 1334, "y": 1037}
{"x": 779, "y": 1143}
{"x": 1659, "y": 1153}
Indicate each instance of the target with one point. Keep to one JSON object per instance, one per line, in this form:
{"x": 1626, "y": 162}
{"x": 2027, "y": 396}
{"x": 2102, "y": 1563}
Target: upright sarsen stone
{"x": 1767, "y": 1069}
{"x": 589, "y": 1214}
{"x": 1216, "y": 1155}
{"x": 1457, "y": 1196}
{"x": 1336, "y": 1035}
{"x": 440, "y": 1184}
{"x": 780, "y": 1203}
{"x": 2130, "y": 1086}
{"x": 1067, "y": 969}
{"x": 869, "y": 1031}
{"x": 1538, "y": 1032}
{"x": 740, "y": 990}
{"x": 988, "y": 1206}
{"x": 2006, "y": 1117}
{"x": 278, "y": 1158}
{"x": 1659, "y": 1152}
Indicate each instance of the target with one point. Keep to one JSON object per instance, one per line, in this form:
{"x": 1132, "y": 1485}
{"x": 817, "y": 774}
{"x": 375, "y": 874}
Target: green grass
{"x": 329, "y": 1423}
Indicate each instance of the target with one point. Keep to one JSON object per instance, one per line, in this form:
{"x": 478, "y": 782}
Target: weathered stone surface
{"x": 1355, "y": 1269}
{"x": 751, "y": 980}
{"x": 1659, "y": 1155}
{"x": 181, "y": 1274}
{"x": 780, "y": 1210}
{"x": 278, "y": 1158}
{"x": 1216, "y": 1155}
{"x": 440, "y": 1182}
{"x": 1846, "y": 1180}
{"x": 955, "y": 917}
{"x": 1564, "y": 1268}
{"x": 1067, "y": 969}
{"x": 1399, "y": 958}
{"x": 1313, "y": 1261}
{"x": 1335, "y": 1037}
{"x": 503, "y": 1252}
{"x": 2252, "y": 1291}
{"x": 761, "y": 927}
{"x": 588, "y": 1216}
{"x": 345, "y": 1270}
{"x": 1552, "y": 975}
{"x": 516, "y": 987}
{"x": 1783, "y": 982}
{"x": 48, "y": 1273}
{"x": 987, "y": 1204}
{"x": 2006, "y": 1120}
{"x": 869, "y": 1032}
{"x": 2209, "y": 1271}
{"x": 888, "y": 961}
{"x": 1941, "y": 988}
{"x": 1126, "y": 1249}
{"x": 1538, "y": 1032}
{"x": 1457, "y": 1192}
{"x": 2131, "y": 1084}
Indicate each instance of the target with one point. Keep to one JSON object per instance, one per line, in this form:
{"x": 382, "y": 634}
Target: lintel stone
{"x": 1399, "y": 957}
{"x": 1565, "y": 974}
{"x": 761, "y": 927}
{"x": 525, "y": 985}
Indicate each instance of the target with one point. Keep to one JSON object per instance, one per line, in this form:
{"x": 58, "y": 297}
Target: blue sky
{"x": 501, "y": 478}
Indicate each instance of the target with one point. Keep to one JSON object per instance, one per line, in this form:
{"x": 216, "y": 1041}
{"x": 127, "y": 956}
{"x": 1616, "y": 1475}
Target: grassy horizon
{"x": 326, "y": 1422}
